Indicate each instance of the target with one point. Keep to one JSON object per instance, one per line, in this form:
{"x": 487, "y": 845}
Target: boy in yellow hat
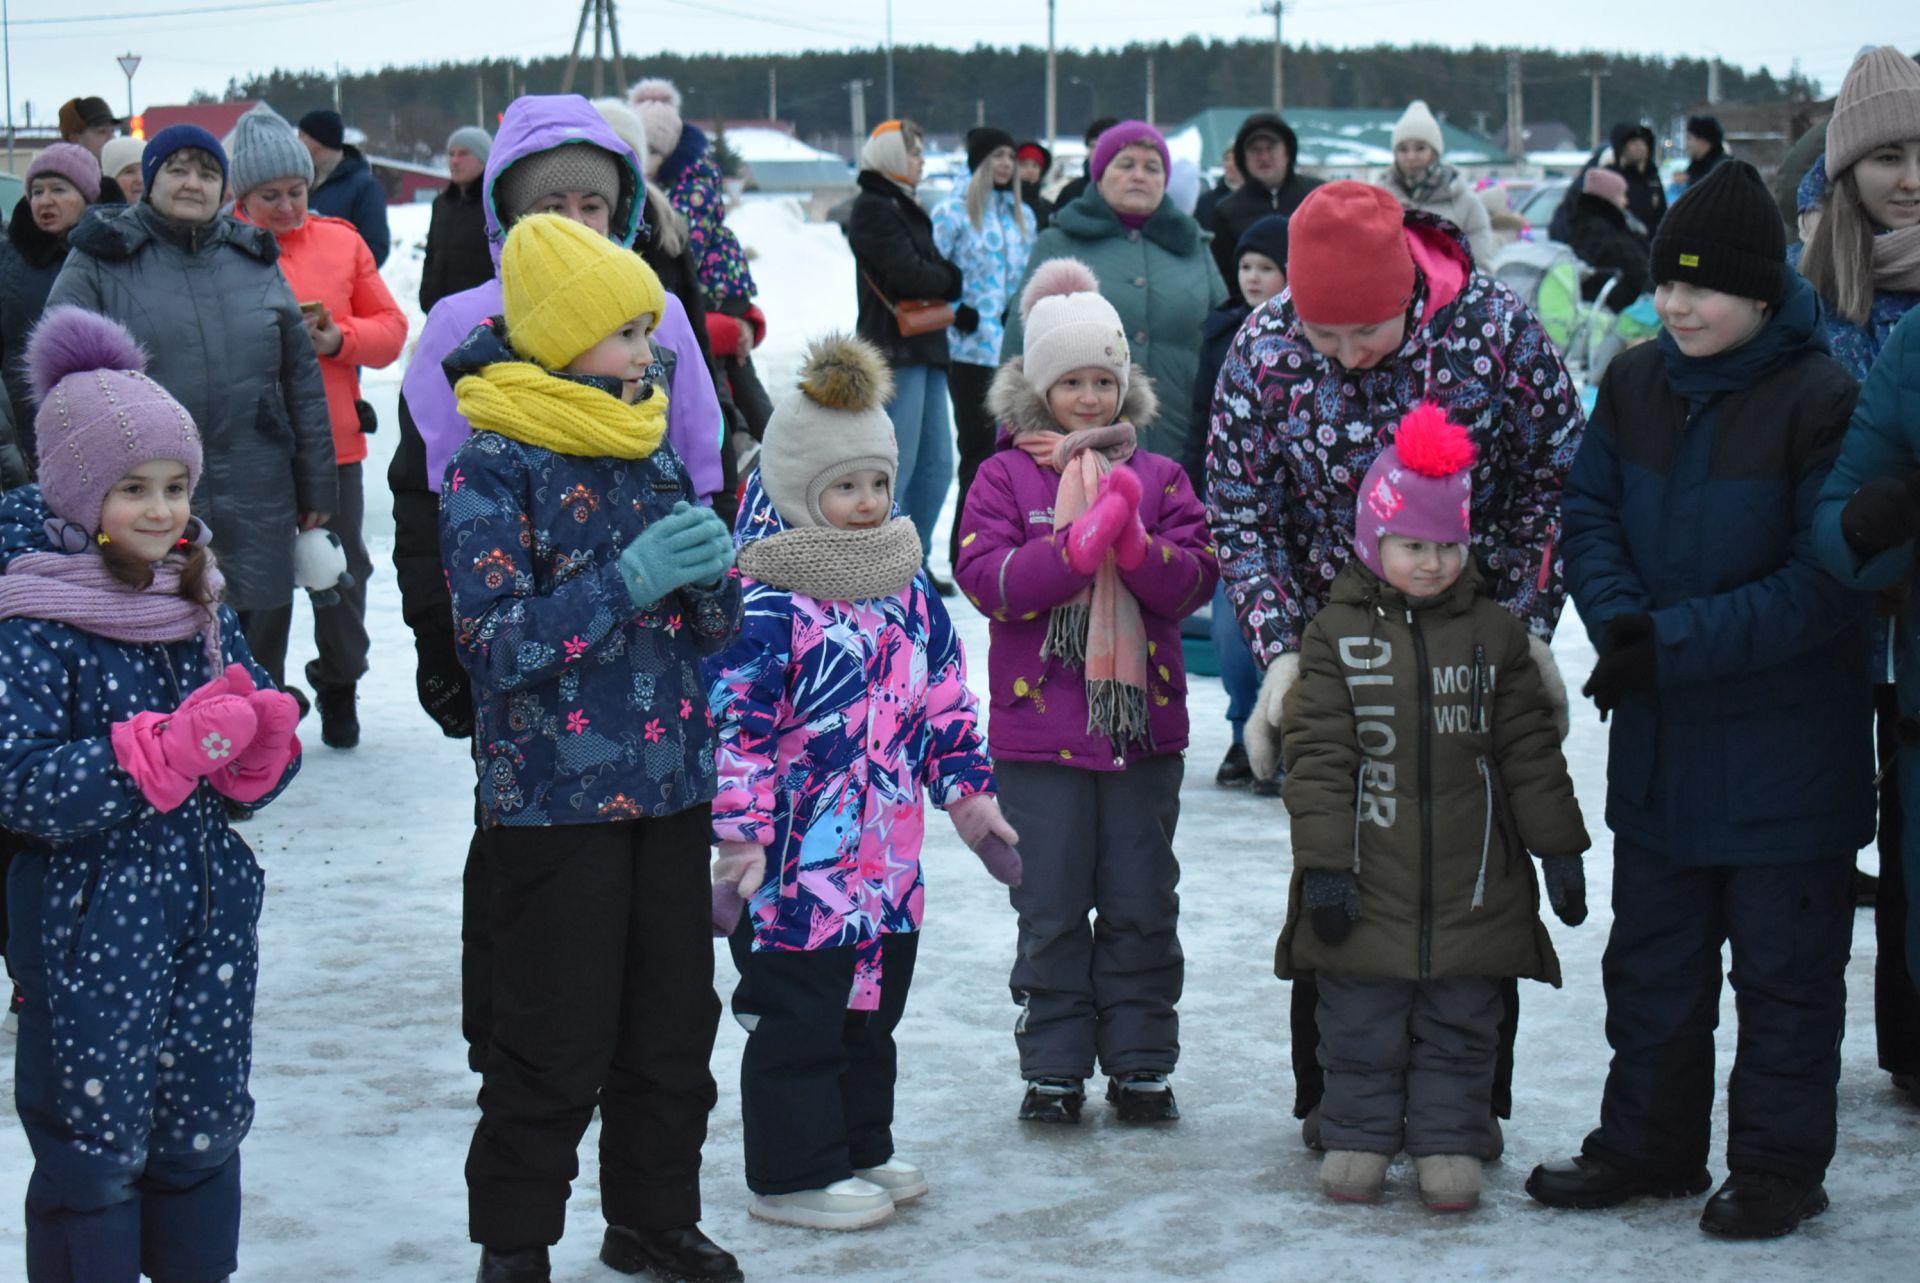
{"x": 586, "y": 586}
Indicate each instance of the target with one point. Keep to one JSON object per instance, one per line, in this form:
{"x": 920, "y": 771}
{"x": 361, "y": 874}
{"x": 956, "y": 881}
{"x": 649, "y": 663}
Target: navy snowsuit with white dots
{"x": 133, "y": 937}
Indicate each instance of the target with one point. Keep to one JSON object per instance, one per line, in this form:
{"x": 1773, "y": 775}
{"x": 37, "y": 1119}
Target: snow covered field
{"x": 353, "y": 1171}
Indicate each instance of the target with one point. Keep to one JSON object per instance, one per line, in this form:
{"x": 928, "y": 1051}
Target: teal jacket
{"x": 1883, "y": 440}
{"x": 1160, "y": 279}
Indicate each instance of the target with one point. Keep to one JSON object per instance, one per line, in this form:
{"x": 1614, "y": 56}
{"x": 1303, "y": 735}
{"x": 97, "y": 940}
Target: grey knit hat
{"x": 474, "y": 139}
{"x": 1879, "y": 103}
{"x": 264, "y": 147}
{"x": 570, "y": 167}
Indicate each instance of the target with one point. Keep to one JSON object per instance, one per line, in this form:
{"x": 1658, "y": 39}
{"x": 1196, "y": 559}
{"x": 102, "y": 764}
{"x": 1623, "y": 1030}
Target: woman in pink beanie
{"x": 63, "y": 182}
{"x": 134, "y": 902}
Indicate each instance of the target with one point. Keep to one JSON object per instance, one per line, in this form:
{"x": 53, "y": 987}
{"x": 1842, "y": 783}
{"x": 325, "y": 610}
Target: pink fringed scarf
{"x": 1100, "y": 629}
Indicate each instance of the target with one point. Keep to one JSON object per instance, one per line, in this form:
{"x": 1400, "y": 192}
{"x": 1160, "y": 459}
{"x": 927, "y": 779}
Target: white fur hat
{"x": 1417, "y": 122}
{"x": 1069, "y": 326}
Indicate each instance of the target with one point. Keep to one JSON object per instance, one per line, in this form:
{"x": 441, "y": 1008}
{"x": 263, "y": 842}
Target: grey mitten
{"x": 1566, "y": 878}
{"x": 1333, "y": 900}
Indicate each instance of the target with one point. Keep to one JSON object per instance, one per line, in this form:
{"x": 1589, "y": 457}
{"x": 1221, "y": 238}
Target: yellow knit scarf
{"x": 524, "y": 402}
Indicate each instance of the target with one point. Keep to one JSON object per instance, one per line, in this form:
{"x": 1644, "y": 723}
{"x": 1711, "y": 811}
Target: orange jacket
{"x": 325, "y": 261}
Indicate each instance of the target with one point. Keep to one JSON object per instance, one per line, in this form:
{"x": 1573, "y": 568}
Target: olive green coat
{"x": 1421, "y": 753}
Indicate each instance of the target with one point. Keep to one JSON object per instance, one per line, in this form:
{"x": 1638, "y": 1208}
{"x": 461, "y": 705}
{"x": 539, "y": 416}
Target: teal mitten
{"x": 677, "y": 550}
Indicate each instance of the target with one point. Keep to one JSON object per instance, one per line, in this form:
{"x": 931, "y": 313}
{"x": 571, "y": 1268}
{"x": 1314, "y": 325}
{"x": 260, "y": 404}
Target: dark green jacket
{"x": 1421, "y": 753}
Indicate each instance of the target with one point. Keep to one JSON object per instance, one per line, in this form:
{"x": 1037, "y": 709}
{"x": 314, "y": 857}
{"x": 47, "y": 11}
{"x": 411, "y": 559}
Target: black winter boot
{"x": 528, "y": 1265}
{"x": 1142, "y": 1098}
{"x": 1053, "y": 1100}
{"x": 679, "y": 1255}
{"x": 1235, "y": 771}
{"x": 1586, "y": 1183}
{"x": 1761, "y": 1205}
{"x": 339, "y": 722}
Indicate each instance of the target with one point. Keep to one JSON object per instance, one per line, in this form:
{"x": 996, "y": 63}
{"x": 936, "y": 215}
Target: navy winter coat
{"x": 353, "y": 193}
{"x": 586, "y": 708}
{"x": 1692, "y": 500}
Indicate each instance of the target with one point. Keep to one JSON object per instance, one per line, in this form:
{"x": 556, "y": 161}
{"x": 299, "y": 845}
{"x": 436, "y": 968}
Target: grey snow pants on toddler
{"x": 1096, "y": 843}
{"x": 1409, "y": 1063}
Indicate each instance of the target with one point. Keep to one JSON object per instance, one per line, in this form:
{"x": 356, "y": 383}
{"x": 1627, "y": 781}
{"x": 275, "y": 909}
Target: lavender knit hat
{"x": 100, "y": 415}
{"x": 71, "y": 163}
{"x": 1419, "y": 487}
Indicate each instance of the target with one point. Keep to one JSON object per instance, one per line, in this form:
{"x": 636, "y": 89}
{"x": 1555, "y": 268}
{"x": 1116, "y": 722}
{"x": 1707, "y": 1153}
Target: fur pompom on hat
{"x": 565, "y": 287}
{"x": 1419, "y": 487}
{"x": 100, "y": 415}
{"x": 833, "y": 423}
{"x": 654, "y": 89}
{"x": 1069, "y": 326}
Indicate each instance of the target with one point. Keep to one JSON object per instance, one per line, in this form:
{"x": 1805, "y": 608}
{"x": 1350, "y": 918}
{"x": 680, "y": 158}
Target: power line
{"x": 164, "y": 13}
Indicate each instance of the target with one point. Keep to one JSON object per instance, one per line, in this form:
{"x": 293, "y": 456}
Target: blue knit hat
{"x": 178, "y": 138}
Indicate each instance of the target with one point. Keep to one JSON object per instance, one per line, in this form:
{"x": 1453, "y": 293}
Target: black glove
{"x": 1628, "y": 664}
{"x": 1333, "y": 900}
{"x": 956, "y": 281}
{"x": 1566, "y": 887}
{"x": 445, "y": 690}
{"x": 966, "y": 318}
{"x": 1883, "y": 513}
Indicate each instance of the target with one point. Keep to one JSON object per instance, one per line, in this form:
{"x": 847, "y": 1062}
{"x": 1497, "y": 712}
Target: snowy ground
{"x": 366, "y": 1106}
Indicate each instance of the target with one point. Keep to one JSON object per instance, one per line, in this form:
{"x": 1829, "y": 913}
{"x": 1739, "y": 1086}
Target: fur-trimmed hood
{"x": 1017, "y": 408}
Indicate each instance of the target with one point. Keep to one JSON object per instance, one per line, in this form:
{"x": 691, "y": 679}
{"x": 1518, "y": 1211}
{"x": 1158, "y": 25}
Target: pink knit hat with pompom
{"x": 100, "y": 415}
{"x": 1420, "y": 486}
{"x": 1069, "y": 326}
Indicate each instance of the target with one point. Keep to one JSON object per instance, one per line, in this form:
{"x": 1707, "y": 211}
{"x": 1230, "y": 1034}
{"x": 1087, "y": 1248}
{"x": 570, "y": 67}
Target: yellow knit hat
{"x": 567, "y": 287}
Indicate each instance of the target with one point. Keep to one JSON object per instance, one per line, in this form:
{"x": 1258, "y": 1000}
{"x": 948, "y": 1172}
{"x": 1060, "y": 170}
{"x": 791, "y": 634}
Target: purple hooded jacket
{"x": 1014, "y": 569}
{"x": 533, "y": 124}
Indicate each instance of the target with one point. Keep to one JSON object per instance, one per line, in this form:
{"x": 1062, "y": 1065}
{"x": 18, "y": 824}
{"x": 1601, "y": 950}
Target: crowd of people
{"x": 669, "y": 611}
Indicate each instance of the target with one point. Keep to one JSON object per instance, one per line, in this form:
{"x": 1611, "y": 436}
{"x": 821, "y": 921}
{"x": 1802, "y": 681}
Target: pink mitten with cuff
{"x": 1106, "y": 522}
{"x": 167, "y": 754}
{"x": 254, "y": 772}
{"x": 978, "y": 821}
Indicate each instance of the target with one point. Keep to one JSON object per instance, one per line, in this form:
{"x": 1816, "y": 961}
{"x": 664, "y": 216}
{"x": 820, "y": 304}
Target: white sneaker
{"x": 1353, "y": 1176}
{"x": 902, "y": 1180}
{"x": 844, "y": 1205}
{"x": 1449, "y": 1182}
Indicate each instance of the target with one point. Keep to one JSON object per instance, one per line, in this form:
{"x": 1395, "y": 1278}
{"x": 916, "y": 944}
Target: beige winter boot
{"x": 1351, "y": 1176}
{"x": 1449, "y": 1182}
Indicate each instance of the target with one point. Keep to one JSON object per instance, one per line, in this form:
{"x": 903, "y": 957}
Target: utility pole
{"x": 1516, "y": 109}
{"x": 857, "y": 99}
{"x": 979, "y": 112}
{"x": 606, "y": 29}
{"x": 479, "y": 101}
{"x": 1277, "y": 8}
{"x": 890, "y": 112}
{"x": 1053, "y": 87}
{"x": 1713, "y": 79}
{"x": 773, "y": 93}
{"x": 1149, "y": 115}
{"x": 6, "y": 55}
{"x": 1595, "y": 76}
{"x": 336, "y": 88}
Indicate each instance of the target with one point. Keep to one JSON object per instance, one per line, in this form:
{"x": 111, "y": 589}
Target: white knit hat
{"x": 1069, "y": 326}
{"x": 1417, "y": 122}
{"x": 834, "y": 423}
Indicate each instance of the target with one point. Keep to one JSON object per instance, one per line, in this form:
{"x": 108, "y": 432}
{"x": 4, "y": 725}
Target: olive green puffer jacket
{"x": 1421, "y": 753}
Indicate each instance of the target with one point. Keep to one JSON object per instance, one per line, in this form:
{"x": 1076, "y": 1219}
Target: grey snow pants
{"x": 1096, "y": 843}
{"x": 1409, "y": 1063}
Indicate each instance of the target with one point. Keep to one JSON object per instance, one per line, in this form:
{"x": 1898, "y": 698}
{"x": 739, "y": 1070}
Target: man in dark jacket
{"x": 1230, "y": 182}
{"x": 1265, "y": 150}
{"x": 1636, "y": 158}
{"x": 457, "y": 254}
{"x": 1066, "y": 195}
{"x": 343, "y": 183}
{"x": 1706, "y": 146}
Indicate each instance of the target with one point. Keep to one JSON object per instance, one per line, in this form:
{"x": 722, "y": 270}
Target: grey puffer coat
{"x": 222, "y": 333}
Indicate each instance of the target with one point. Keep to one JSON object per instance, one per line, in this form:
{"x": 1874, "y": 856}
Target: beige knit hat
{"x": 1417, "y": 122}
{"x": 834, "y": 423}
{"x": 1879, "y": 103}
{"x": 1069, "y": 326}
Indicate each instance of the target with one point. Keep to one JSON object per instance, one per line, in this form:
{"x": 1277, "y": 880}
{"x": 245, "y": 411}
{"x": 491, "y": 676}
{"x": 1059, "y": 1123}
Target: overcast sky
{"x": 57, "y": 52}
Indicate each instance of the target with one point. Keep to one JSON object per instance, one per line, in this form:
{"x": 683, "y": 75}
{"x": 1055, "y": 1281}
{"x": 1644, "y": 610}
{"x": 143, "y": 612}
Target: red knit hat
{"x": 1347, "y": 256}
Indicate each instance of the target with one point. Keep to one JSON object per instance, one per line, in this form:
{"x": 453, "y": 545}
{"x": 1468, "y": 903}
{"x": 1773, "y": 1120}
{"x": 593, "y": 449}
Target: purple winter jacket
{"x": 538, "y": 123}
{"x": 1014, "y": 570}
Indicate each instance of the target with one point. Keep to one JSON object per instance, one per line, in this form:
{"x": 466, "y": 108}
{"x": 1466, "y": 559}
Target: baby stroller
{"x": 1552, "y": 283}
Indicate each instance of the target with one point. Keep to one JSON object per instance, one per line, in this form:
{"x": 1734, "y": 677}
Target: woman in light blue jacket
{"x": 986, "y": 230}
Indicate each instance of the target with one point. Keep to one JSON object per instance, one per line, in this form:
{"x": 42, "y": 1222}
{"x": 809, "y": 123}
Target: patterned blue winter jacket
{"x": 61, "y": 691}
{"x": 992, "y": 260}
{"x": 586, "y": 709}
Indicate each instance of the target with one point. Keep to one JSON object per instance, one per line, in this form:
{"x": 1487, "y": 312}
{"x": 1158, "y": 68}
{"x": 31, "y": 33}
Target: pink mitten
{"x": 978, "y": 821}
{"x": 1105, "y": 522}
{"x": 168, "y": 753}
{"x": 1130, "y": 549}
{"x": 253, "y": 773}
{"x": 738, "y": 871}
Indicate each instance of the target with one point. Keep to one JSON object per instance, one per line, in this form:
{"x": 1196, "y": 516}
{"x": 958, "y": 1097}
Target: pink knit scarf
{"x": 1100, "y": 628}
{"x": 78, "y": 589}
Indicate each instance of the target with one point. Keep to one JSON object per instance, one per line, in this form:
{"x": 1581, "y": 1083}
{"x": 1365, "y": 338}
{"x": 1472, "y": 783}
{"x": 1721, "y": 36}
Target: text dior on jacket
{"x": 1374, "y": 727}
